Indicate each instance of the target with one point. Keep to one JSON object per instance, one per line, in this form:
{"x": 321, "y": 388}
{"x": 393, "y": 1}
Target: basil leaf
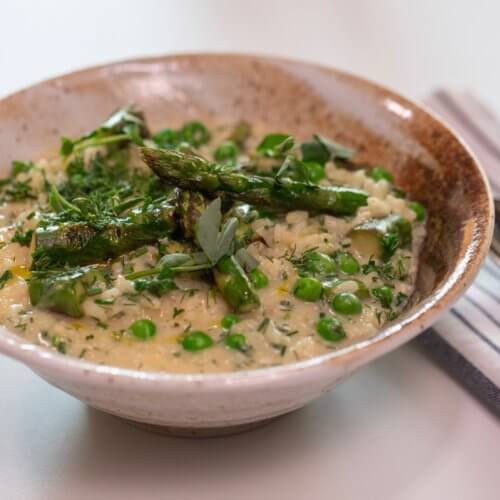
{"x": 207, "y": 229}
{"x": 275, "y": 145}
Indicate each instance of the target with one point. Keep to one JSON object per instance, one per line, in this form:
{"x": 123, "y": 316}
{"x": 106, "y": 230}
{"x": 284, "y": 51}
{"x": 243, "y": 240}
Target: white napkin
{"x": 466, "y": 341}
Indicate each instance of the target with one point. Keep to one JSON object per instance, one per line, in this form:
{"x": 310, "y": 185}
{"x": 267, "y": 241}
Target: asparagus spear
{"x": 235, "y": 286}
{"x": 79, "y": 243}
{"x": 65, "y": 291}
{"x": 190, "y": 205}
{"x": 193, "y": 172}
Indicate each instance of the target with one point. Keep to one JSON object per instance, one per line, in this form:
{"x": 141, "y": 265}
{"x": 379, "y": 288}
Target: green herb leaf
{"x": 6, "y": 276}
{"x": 174, "y": 259}
{"x": 246, "y": 260}
{"x": 401, "y": 298}
{"x": 67, "y": 146}
{"x": 275, "y": 145}
{"x": 225, "y": 238}
{"x": 58, "y": 343}
{"x": 336, "y": 150}
{"x": 19, "y": 167}
{"x": 321, "y": 149}
{"x": 207, "y": 229}
{"x": 58, "y": 203}
{"x": 23, "y": 239}
{"x": 215, "y": 244}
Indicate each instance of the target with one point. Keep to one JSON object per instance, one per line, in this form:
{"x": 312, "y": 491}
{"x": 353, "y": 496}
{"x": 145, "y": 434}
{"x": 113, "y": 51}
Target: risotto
{"x": 196, "y": 250}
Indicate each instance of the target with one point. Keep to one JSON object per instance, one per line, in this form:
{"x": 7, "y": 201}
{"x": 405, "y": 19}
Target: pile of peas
{"x": 318, "y": 277}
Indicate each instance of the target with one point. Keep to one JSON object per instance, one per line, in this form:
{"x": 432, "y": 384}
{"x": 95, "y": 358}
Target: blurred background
{"x": 410, "y": 46}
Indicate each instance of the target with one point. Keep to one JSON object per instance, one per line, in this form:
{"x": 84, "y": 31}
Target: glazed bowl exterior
{"x": 426, "y": 158}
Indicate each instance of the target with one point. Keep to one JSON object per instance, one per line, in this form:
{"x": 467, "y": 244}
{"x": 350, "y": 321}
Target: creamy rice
{"x": 282, "y": 330}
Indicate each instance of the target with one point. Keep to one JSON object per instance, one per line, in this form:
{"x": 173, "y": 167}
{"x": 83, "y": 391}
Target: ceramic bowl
{"x": 427, "y": 159}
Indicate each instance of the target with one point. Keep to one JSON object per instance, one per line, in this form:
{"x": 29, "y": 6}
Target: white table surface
{"x": 400, "y": 428}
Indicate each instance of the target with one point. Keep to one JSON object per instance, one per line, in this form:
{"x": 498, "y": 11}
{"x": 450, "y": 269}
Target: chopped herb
{"x": 283, "y": 328}
{"x": 104, "y": 302}
{"x": 117, "y": 335}
{"x": 263, "y": 325}
{"x": 4, "y": 277}
{"x": 58, "y": 343}
{"x": 384, "y": 295}
{"x": 177, "y": 312}
{"x": 19, "y": 167}
{"x": 24, "y": 239}
{"x": 280, "y": 347}
{"x": 15, "y": 190}
{"x": 401, "y": 298}
{"x": 286, "y": 305}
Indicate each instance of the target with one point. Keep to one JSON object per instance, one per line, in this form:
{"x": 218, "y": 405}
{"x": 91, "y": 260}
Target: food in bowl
{"x": 203, "y": 249}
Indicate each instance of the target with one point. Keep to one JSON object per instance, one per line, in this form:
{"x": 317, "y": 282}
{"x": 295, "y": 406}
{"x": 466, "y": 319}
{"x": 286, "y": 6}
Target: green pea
{"x": 384, "y": 295}
{"x": 318, "y": 263}
{"x": 380, "y": 173}
{"x": 258, "y": 278}
{"x": 228, "y": 150}
{"x": 143, "y": 329}
{"x": 195, "y": 133}
{"x": 330, "y": 328}
{"x": 196, "y": 341}
{"x": 315, "y": 171}
{"x": 419, "y": 210}
{"x": 229, "y": 320}
{"x": 309, "y": 289}
{"x": 347, "y": 263}
{"x": 346, "y": 303}
{"x": 166, "y": 138}
{"x": 236, "y": 341}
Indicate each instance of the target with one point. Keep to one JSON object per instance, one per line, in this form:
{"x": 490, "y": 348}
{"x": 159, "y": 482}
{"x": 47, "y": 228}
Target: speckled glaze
{"x": 426, "y": 158}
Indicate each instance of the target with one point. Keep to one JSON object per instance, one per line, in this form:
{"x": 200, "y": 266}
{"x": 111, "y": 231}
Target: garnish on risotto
{"x": 197, "y": 250}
